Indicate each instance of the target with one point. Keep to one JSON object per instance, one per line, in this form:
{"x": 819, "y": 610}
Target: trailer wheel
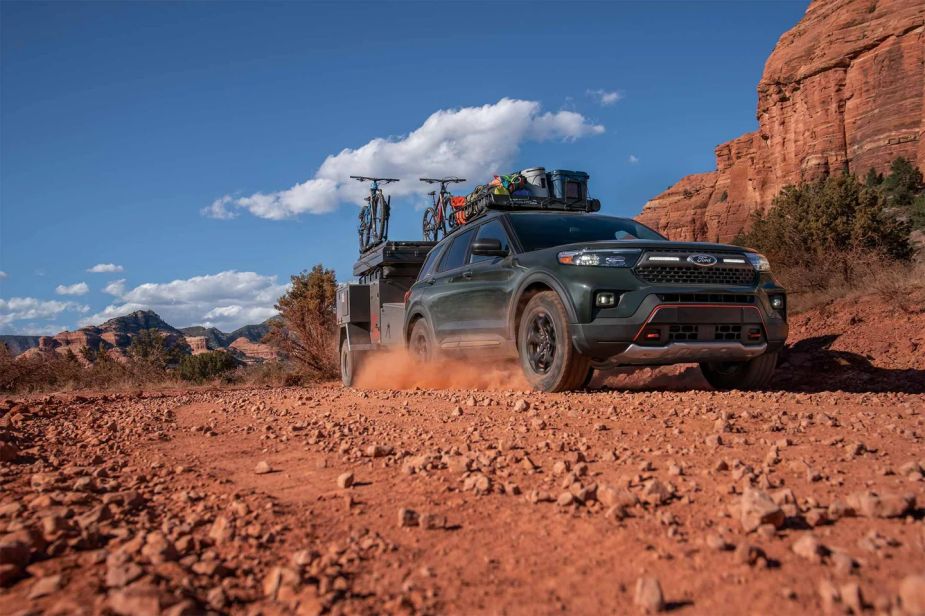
{"x": 421, "y": 343}
{"x": 350, "y": 362}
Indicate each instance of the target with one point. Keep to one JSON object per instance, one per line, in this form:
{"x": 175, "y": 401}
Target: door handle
{"x": 467, "y": 275}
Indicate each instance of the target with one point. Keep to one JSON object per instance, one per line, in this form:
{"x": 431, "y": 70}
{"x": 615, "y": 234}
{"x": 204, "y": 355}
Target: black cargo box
{"x": 405, "y": 258}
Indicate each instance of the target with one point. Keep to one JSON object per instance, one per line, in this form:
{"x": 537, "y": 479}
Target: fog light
{"x": 652, "y": 334}
{"x": 777, "y": 302}
{"x": 605, "y": 300}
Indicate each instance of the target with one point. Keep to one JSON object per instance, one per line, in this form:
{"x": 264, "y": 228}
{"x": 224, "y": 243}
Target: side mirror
{"x": 488, "y": 248}
{"x": 594, "y": 205}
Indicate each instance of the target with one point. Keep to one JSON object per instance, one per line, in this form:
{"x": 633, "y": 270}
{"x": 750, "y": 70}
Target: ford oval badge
{"x": 703, "y": 260}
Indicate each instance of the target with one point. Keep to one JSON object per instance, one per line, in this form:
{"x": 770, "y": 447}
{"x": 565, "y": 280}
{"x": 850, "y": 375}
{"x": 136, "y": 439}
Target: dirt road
{"x": 312, "y": 500}
{"x": 522, "y": 503}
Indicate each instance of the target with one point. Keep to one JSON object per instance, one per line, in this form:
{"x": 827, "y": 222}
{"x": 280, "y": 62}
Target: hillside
{"x": 219, "y": 339}
{"x": 115, "y": 337}
{"x": 842, "y": 90}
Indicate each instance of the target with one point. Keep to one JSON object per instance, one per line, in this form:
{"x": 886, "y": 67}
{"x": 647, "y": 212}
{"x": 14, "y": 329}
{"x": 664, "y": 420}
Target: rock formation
{"x": 843, "y": 89}
{"x": 115, "y": 336}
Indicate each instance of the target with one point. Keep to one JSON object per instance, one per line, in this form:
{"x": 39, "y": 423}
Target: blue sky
{"x": 161, "y": 140}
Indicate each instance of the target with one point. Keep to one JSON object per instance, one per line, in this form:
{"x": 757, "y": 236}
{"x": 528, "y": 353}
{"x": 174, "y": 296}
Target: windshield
{"x": 538, "y": 231}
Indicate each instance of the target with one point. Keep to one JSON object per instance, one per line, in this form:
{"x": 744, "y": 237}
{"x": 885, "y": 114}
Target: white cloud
{"x": 226, "y": 300}
{"x": 3, "y": 275}
{"x": 116, "y": 287}
{"x": 471, "y": 142}
{"x": 605, "y": 98}
{"x": 106, "y": 268}
{"x": 79, "y": 288}
{"x": 30, "y": 308}
{"x": 632, "y": 159}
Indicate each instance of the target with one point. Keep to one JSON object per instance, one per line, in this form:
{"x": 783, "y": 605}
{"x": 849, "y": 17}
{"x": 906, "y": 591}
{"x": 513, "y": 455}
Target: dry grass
{"x": 901, "y": 284}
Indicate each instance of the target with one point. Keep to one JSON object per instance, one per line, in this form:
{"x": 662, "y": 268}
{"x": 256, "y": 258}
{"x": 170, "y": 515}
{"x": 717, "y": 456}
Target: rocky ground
{"x": 806, "y": 498}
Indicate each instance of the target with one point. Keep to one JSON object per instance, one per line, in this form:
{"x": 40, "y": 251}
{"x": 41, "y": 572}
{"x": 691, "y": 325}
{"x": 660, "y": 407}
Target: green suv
{"x": 571, "y": 292}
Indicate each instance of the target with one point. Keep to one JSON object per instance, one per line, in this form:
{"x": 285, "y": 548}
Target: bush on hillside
{"x": 206, "y": 366}
{"x": 827, "y": 232}
{"x": 306, "y": 333}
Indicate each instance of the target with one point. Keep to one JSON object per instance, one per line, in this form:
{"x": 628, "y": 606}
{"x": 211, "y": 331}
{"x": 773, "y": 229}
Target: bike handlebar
{"x": 443, "y": 180}
{"x": 363, "y": 178}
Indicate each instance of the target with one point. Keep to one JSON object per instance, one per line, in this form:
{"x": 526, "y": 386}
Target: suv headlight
{"x": 758, "y": 261}
{"x": 600, "y": 258}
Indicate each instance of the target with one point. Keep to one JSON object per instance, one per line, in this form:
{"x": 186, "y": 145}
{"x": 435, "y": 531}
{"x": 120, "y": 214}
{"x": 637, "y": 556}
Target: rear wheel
{"x": 430, "y": 227}
{"x": 421, "y": 343}
{"x": 752, "y": 374}
{"x": 544, "y": 343}
{"x": 350, "y": 362}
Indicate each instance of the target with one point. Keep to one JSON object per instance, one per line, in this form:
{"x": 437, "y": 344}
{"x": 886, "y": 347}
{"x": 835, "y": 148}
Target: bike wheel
{"x": 430, "y": 225}
{"x": 450, "y": 217}
{"x": 364, "y": 228}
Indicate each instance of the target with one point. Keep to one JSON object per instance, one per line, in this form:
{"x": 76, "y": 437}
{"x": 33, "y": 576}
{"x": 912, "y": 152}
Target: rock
{"x": 820, "y": 110}
{"x": 851, "y": 597}
{"x": 9, "y": 574}
{"x": 648, "y": 595}
{"x": 378, "y": 451}
{"x": 912, "y": 594}
{"x": 8, "y": 452}
{"x": 757, "y": 508}
{"x": 263, "y": 467}
{"x": 521, "y": 406}
{"x": 278, "y": 578}
{"x": 565, "y": 499}
{"x": 747, "y": 554}
{"x": 407, "y": 517}
{"x": 611, "y": 496}
{"x": 221, "y": 530}
{"x": 810, "y": 548}
{"x": 656, "y": 493}
{"x": 136, "y": 600}
{"x": 432, "y": 521}
{"x": 842, "y": 563}
{"x": 872, "y": 505}
{"x": 46, "y": 586}
{"x": 345, "y": 480}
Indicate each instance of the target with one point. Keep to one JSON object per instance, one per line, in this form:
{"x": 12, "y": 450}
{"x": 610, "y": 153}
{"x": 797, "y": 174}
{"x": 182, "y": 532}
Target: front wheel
{"x": 752, "y": 374}
{"x": 350, "y": 362}
{"x": 544, "y": 343}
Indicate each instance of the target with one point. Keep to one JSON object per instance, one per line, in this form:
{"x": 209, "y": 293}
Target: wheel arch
{"x": 530, "y": 286}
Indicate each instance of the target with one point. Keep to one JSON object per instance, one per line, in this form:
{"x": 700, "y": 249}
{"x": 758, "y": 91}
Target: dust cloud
{"x": 397, "y": 369}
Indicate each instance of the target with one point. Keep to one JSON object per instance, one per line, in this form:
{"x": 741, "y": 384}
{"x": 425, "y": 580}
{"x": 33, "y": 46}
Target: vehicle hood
{"x": 650, "y": 245}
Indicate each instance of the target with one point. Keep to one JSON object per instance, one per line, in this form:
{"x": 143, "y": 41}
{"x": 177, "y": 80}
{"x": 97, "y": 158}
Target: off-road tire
{"x": 421, "y": 343}
{"x": 350, "y": 362}
{"x": 752, "y": 374}
{"x": 558, "y": 367}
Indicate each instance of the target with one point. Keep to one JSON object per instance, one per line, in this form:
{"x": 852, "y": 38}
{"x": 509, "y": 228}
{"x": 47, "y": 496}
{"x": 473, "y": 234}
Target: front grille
{"x": 701, "y": 332}
{"x": 694, "y": 274}
{"x": 683, "y": 332}
{"x": 728, "y": 332}
{"x": 706, "y": 298}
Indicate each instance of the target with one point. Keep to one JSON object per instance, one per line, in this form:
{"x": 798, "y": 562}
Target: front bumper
{"x": 659, "y": 332}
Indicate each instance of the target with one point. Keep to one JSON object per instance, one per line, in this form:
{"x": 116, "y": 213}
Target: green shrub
{"x": 206, "y": 366}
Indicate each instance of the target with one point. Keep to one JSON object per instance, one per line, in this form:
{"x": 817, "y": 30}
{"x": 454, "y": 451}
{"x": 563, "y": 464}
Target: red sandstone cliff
{"x": 843, "y": 89}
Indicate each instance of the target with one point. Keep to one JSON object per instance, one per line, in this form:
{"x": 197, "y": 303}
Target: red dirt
{"x": 151, "y": 502}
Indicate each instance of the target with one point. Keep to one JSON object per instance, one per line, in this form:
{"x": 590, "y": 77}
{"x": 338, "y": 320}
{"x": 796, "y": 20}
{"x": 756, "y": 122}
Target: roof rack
{"x": 492, "y": 201}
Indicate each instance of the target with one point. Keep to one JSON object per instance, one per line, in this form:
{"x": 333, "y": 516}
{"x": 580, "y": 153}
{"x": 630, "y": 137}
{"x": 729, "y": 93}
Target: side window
{"x": 431, "y": 260}
{"x": 491, "y": 230}
{"x": 455, "y": 254}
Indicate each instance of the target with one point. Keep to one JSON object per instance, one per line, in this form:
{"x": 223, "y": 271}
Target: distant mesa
{"x": 843, "y": 90}
{"x": 115, "y": 336}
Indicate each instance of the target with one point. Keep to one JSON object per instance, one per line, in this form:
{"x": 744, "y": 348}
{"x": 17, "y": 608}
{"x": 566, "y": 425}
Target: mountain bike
{"x": 440, "y": 217}
{"x": 374, "y": 217}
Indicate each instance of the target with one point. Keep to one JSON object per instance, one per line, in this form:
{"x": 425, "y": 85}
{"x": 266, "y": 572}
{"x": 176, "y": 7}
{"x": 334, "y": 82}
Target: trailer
{"x": 371, "y": 311}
